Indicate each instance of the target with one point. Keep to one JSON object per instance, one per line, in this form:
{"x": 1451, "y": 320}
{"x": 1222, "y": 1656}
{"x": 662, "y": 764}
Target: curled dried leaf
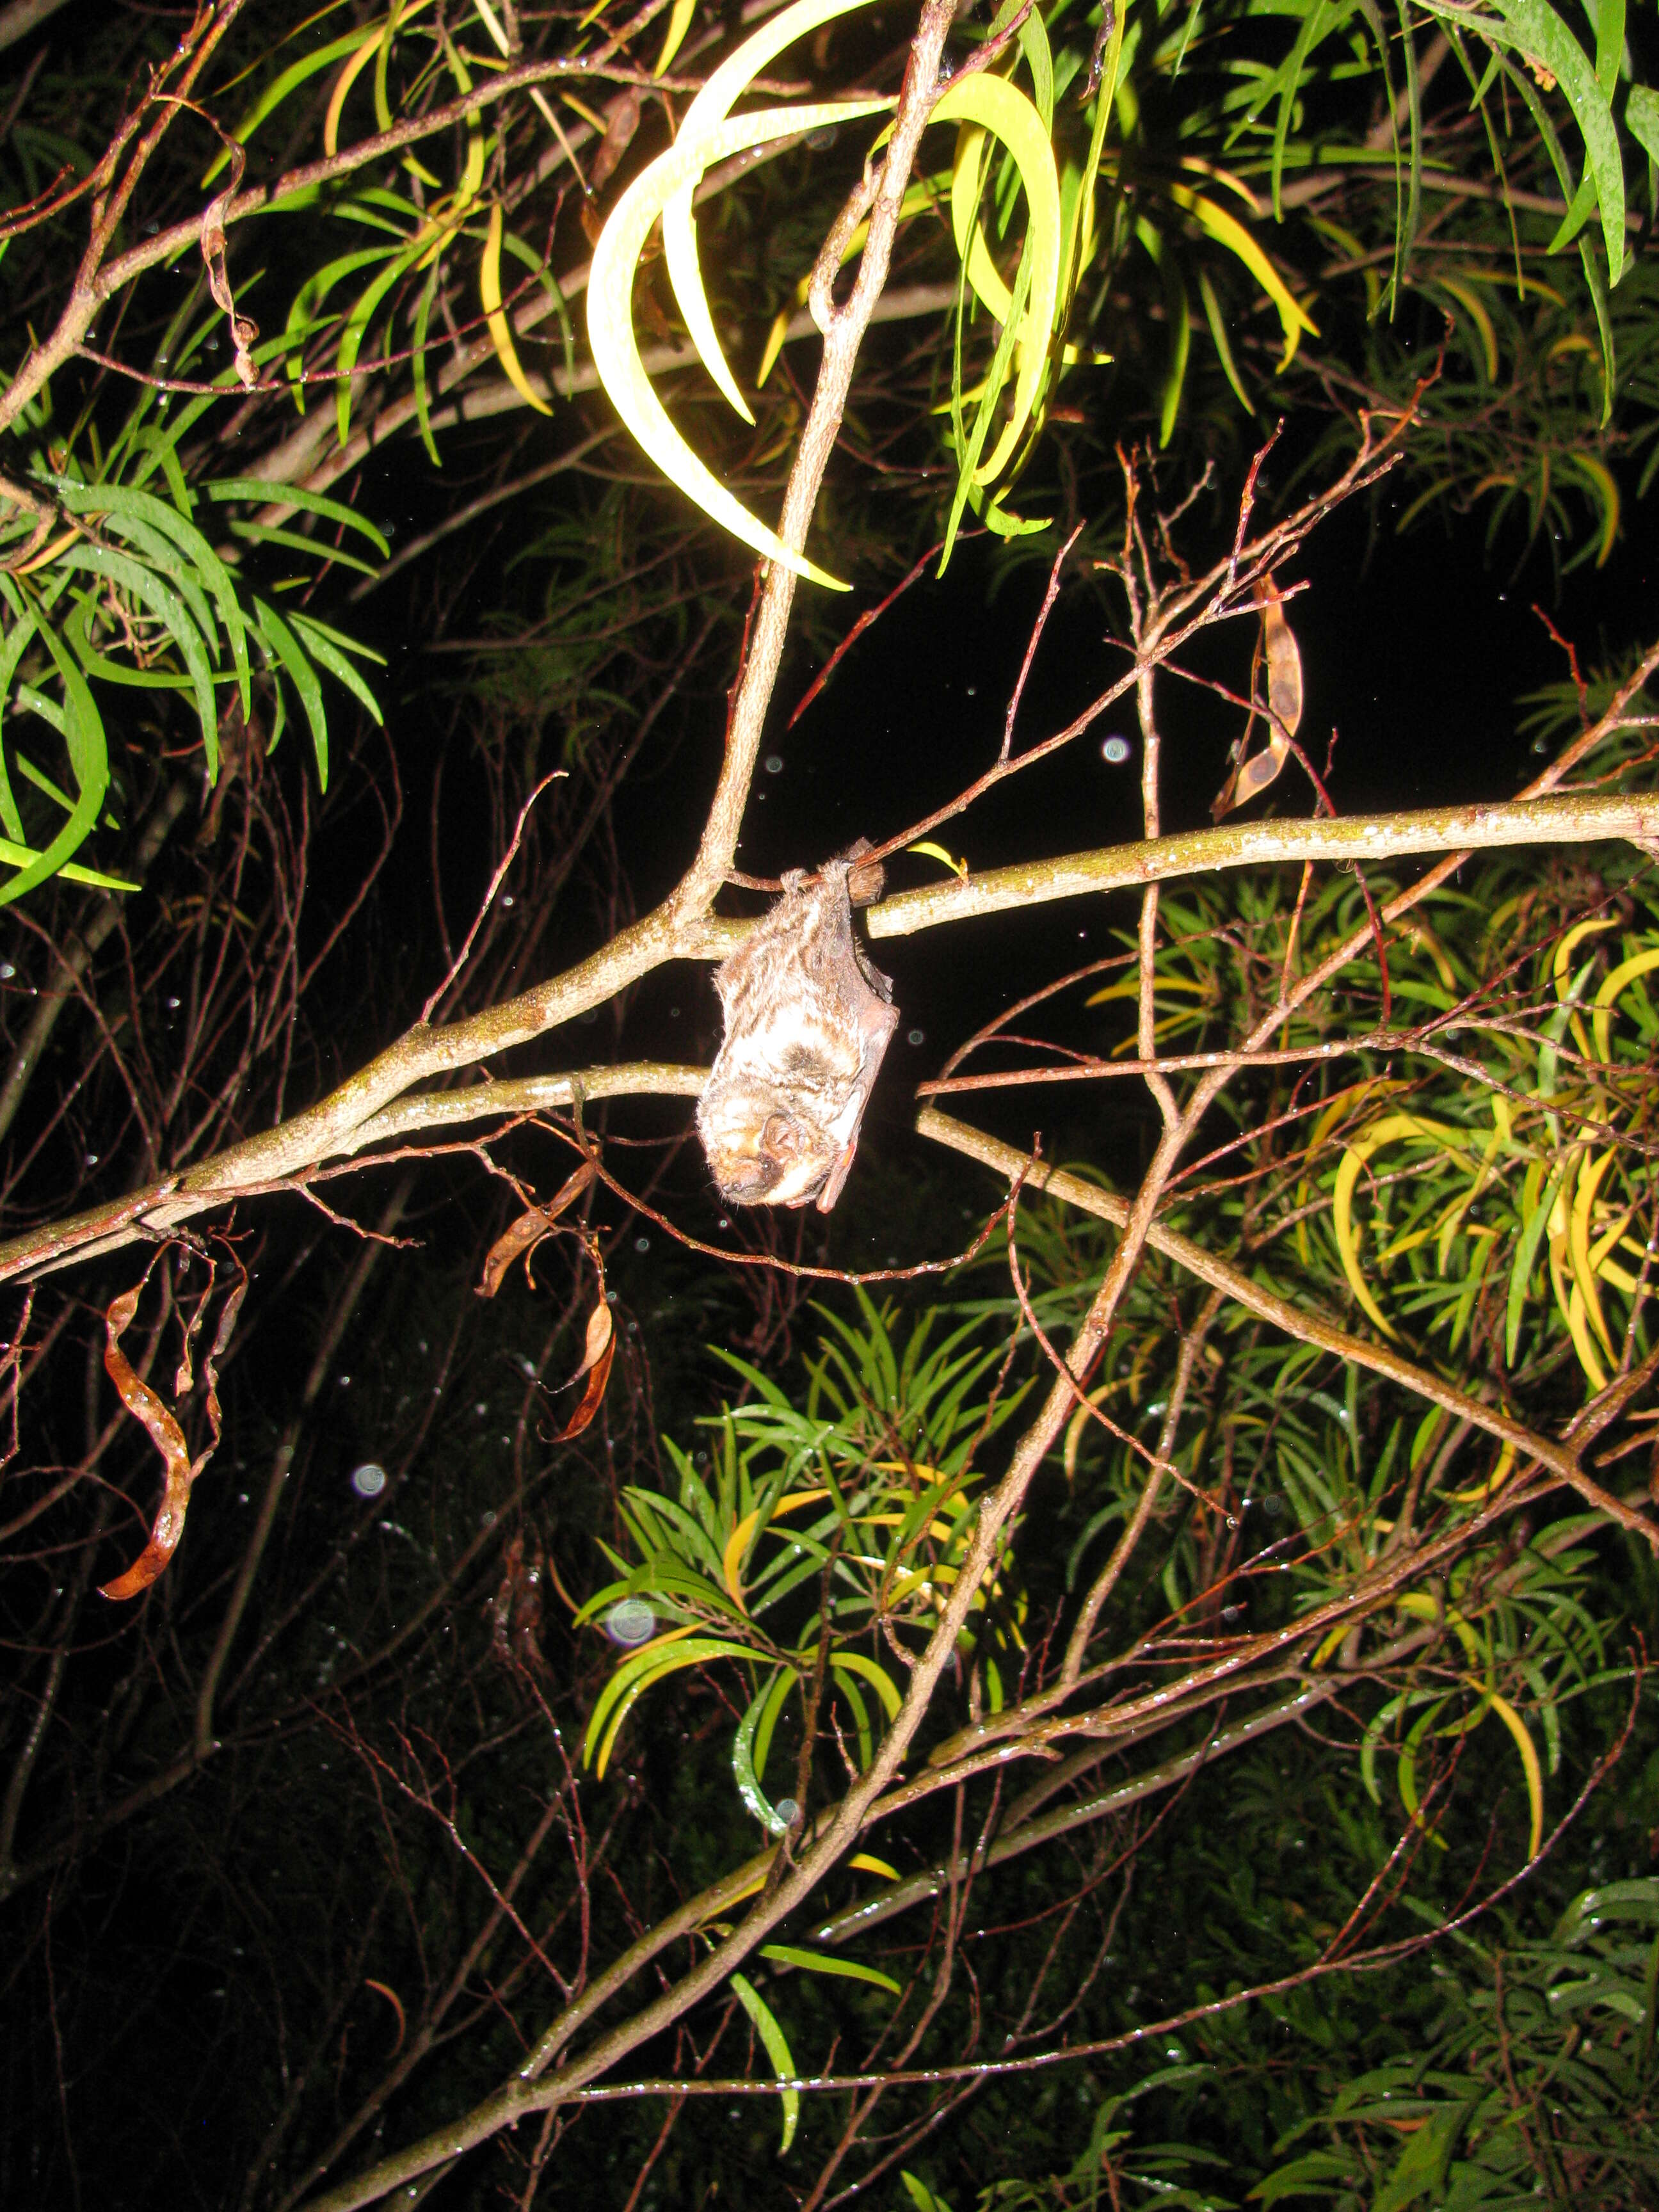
{"x": 1252, "y": 775}
{"x": 147, "y": 1405}
{"x": 624, "y": 120}
{"x": 527, "y": 1231}
{"x": 1284, "y": 660}
{"x": 597, "y": 1354}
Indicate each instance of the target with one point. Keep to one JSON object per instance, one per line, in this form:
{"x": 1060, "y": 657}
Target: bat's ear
{"x": 865, "y": 879}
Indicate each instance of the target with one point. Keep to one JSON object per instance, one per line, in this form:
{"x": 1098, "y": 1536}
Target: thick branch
{"x": 360, "y": 1113}
{"x": 1574, "y": 817}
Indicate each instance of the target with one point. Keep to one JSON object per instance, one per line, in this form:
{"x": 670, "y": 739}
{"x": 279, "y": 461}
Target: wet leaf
{"x": 148, "y": 1406}
{"x": 777, "y": 2050}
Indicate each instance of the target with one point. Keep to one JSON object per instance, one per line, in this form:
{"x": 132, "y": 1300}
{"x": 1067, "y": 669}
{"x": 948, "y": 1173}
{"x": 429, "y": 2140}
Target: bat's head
{"x": 761, "y": 1154}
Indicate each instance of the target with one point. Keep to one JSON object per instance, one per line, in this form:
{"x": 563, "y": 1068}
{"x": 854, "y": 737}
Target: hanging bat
{"x": 807, "y": 1020}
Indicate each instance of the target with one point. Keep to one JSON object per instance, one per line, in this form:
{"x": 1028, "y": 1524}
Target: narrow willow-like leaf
{"x": 777, "y": 2050}
{"x": 707, "y": 112}
{"x": 328, "y": 655}
{"x": 997, "y": 106}
{"x": 610, "y": 312}
{"x": 169, "y": 608}
{"x": 825, "y": 1962}
{"x": 88, "y": 752}
{"x": 313, "y": 503}
{"x": 501, "y": 330}
{"x": 279, "y": 640}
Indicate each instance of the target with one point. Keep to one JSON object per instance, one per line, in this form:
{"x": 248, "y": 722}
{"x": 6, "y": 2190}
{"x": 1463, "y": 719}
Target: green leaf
{"x": 328, "y": 654}
{"x": 823, "y": 1962}
{"x": 166, "y": 604}
{"x": 313, "y": 503}
{"x": 88, "y": 752}
{"x": 1421, "y": 2169}
{"x": 1538, "y": 33}
{"x": 122, "y": 503}
{"x": 279, "y": 640}
{"x": 921, "y": 2195}
{"x": 1641, "y": 118}
{"x": 11, "y": 652}
{"x": 777, "y": 2050}
{"x": 744, "y": 1764}
{"x": 1526, "y": 1251}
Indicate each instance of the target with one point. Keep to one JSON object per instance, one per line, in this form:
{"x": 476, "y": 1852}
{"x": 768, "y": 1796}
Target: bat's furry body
{"x": 807, "y": 1020}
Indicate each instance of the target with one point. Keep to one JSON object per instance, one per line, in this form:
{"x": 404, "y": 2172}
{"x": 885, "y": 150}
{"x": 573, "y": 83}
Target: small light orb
{"x": 641, "y": 1244}
{"x": 915, "y": 1037}
{"x": 631, "y": 1622}
{"x": 6, "y": 971}
{"x": 787, "y": 1811}
{"x": 368, "y": 1480}
{"x": 1114, "y": 749}
{"x": 508, "y": 900}
{"x": 773, "y": 763}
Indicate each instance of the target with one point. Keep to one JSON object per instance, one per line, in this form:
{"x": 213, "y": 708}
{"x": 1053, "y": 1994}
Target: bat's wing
{"x": 876, "y": 1022}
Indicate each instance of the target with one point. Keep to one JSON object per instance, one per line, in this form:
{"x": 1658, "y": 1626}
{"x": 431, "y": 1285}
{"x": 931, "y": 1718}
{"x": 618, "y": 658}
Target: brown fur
{"x": 807, "y": 1021}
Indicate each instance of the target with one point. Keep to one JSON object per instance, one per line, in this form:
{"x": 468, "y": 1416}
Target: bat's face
{"x": 761, "y": 1154}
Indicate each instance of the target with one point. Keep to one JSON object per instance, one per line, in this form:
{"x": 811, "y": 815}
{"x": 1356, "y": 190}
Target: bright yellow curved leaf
{"x": 1348, "y": 1175}
{"x": 610, "y": 312}
{"x": 1528, "y": 1751}
{"x": 1612, "y": 984}
{"x": 1003, "y": 110}
{"x": 706, "y": 113}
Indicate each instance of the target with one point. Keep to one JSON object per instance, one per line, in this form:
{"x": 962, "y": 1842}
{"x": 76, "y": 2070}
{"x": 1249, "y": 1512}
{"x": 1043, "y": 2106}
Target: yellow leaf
{"x": 678, "y": 24}
{"x": 1562, "y": 966}
{"x": 930, "y": 851}
{"x": 610, "y": 312}
{"x": 1227, "y": 231}
{"x": 1480, "y": 1492}
{"x": 867, "y": 1863}
{"x": 1475, "y": 308}
{"x": 1421, "y": 1607}
{"x": 501, "y": 333}
{"x": 1601, "y": 1019}
{"x": 1528, "y": 1751}
{"x": 356, "y": 62}
{"x": 737, "y": 1542}
{"x": 1354, "y": 1159}
{"x": 590, "y": 116}
{"x": 731, "y": 1566}
{"x": 1591, "y": 1170}
{"x": 707, "y": 112}
{"x": 1000, "y": 108}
